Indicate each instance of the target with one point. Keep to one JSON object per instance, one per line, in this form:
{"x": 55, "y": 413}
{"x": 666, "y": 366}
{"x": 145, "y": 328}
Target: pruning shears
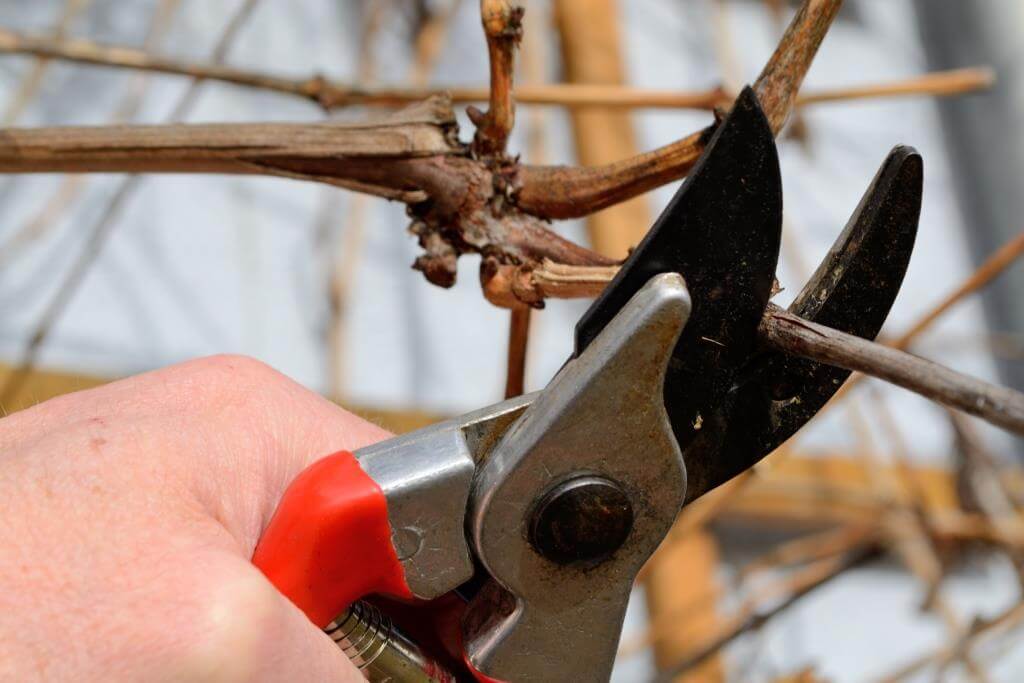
{"x": 506, "y": 541}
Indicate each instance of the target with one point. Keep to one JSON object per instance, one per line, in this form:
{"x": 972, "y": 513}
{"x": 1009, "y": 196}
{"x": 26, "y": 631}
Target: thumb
{"x": 253, "y": 633}
{"x": 305, "y": 653}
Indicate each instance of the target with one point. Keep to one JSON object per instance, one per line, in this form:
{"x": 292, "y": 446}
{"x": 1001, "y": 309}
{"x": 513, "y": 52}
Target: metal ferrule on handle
{"x": 380, "y": 651}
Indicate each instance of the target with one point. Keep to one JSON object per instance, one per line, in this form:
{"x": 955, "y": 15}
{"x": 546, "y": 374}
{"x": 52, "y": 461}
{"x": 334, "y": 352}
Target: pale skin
{"x": 130, "y": 512}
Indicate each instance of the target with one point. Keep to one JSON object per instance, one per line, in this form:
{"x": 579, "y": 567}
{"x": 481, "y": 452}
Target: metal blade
{"x": 721, "y": 232}
{"x": 852, "y": 291}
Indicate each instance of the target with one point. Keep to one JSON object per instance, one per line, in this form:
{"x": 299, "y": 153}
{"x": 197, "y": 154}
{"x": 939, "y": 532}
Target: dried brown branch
{"x": 998, "y": 262}
{"x": 502, "y": 21}
{"x": 779, "y": 83}
{"x": 544, "y": 192}
{"x": 994, "y": 266}
{"x": 563, "y": 192}
{"x": 518, "y": 336}
{"x": 999, "y": 405}
{"x": 410, "y": 155}
{"x": 335, "y": 95}
{"x": 346, "y": 154}
{"x": 802, "y": 551}
{"x": 938, "y": 84}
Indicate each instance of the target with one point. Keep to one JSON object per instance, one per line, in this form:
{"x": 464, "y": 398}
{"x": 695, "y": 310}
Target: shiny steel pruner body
{"x": 513, "y": 534}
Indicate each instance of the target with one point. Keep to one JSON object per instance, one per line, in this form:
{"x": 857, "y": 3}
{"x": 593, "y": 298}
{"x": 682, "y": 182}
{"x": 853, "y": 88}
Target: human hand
{"x": 130, "y": 513}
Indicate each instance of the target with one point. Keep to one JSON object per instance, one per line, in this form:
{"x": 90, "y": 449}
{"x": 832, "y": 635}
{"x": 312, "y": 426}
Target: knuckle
{"x": 226, "y": 379}
{"x": 234, "y": 369}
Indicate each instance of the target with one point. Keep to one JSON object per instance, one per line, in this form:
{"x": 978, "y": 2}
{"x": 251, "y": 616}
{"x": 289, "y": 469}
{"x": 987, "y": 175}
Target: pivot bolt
{"x": 581, "y": 521}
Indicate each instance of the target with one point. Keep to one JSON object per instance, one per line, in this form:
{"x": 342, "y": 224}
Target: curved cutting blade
{"x": 852, "y": 291}
{"x": 721, "y": 231}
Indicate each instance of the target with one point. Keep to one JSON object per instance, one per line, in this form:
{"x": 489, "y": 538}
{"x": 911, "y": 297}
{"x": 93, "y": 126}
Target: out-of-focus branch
{"x": 937, "y": 84}
{"x": 999, "y": 261}
{"x": 71, "y": 186}
{"x": 563, "y": 192}
{"x": 981, "y": 629}
{"x": 748, "y": 619}
{"x": 334, "y": 95}
{"x": 502, "y": 21}
{"x": 518, "y": 342}
{"x": 800, "y": 552}
{"x": 29, "y": 85}
{"x": 101, "y": 230}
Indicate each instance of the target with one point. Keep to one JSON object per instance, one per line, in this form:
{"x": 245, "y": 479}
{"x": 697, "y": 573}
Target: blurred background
{"x": 103, "y": 276}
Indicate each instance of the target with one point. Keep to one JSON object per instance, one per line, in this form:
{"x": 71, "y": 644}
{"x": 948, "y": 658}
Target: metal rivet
{"x": 582, "y": 520}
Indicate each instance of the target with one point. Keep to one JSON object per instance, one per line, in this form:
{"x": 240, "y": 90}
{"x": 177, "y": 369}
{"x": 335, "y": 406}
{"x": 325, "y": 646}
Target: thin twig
{"x": 937, "y": 84}
{"x": 502, "y": 21}
{"x": 998, "y": 262}
{"x": 334, "y": 95}
{"x": 802, "y": 582}
{"x": 804, "y": 550}
{"x": 32, "y": 81}
{"x": 72, "y": 186}
{"x": 518, "y": 334}
{"x": 999, "y": 405}
{"x": 980, "y": 629}
{"x": 994, "y": 266}
{"x": 520, "y": 316}
{"x": 510, "y": 286}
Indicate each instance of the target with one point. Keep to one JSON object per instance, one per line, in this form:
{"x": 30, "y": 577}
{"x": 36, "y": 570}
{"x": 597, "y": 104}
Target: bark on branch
{"x": 554, "y": 192}
{"x": 502, "y": 21}
{"x": 999, "y": 405}
{"x": 412, "y": 155}
{"x": 382, "y": 157}
{"x": 564, "y": 192}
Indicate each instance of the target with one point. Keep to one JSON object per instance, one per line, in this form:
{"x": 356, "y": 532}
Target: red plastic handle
{"x": 329, "y": 542}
